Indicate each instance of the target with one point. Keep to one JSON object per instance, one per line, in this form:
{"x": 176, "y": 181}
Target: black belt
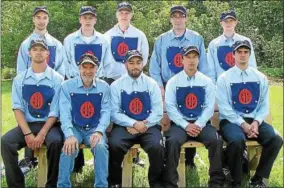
{"x": 193, "y": 121}
{"x": 84, "y": 127}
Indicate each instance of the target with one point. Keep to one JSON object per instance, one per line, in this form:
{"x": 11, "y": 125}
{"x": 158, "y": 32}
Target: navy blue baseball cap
{"x": 228, "y": 14}
{"x": 88, "y": 10}
{"x": 124, "y": 6}
{"x": 88, "y": 58}
{"x": 40, "y": 9}
{"x": 178, "y": 8}
{"x": 132, "y": 53}
{"x": 38, "y": 42}
{"x": 239, "y": 44}
{"x": 185, "y": 50}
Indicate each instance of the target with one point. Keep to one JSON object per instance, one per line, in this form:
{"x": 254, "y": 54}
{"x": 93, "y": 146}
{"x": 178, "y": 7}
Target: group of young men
{"x": 178, "y": 98}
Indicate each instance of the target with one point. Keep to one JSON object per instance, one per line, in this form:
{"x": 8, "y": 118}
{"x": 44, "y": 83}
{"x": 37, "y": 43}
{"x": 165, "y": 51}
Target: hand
{"x": 246, "y": 127}
{"x": 109, "y": 128}
{"x": 193, "y": 130}
{"x": 95, "y": 138}
{"x": 38, "y": 140}
{"x": 132, "y": 130}
{"x": 254, "y": 130}
{"x": 165, "y": 122}
{"x": 70, "y": 145}
{"x": 30, "y": 141}
{"x": 140, "y": 126}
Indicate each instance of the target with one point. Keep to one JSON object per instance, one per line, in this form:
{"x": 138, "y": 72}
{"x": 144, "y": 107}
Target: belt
{"x": 84, "y": 127}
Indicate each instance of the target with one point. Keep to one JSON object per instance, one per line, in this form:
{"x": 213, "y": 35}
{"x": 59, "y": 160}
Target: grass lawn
{"x": 195, "y": 178}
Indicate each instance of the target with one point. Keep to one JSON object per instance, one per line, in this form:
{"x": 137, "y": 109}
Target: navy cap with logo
{"x": 239, "y": 44}
{"x": 228, "y": 14}
{"x": 38, "y": 42}
{"x": 88, "y": 10}
{"x": 178, "y": 8}
{"x": 40, "y": 9}
{"x": 185, "y": 50}
{"x": 124, "y": 5}
{"x": 132, "y": 53}
{"x": 88, "y": 58}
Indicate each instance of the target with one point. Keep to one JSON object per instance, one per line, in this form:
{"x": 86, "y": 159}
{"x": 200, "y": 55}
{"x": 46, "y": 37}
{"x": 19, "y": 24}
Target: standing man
{"x": 85, "y": 115}
{"x": 35, "y": 95}
{"x": 243, "y": 100}
{"x": 136, "y": 111}
{"x": 220, "y": 53}
{"x": 166, "y": 60}
{"x": 124, "y": 37}
{"x": 190, "y": 98}
{"x": 56, "y": 51}
{"x": 87, "y": 40}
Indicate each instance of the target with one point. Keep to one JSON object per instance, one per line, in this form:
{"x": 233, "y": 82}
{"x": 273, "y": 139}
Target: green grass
{"x": 195, "y": 178}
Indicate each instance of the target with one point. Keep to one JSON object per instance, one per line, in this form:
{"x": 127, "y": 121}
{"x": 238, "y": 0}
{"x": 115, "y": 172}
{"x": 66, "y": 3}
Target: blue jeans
{"x": 100, "y": 153}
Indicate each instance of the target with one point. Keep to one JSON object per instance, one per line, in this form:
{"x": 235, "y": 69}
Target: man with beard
{"x": 124, "y": 37}
{"x": 190, "y": 98}
{"x": 220, "y": 53}
{"x": 35, "y": 94}
{"x": 136, "y": 111}
{"x": 87, "y": 40}
{"x": 166, "y": 59}
{"x": 56, "y": 51}
{"x": 243, "y": 101}
{"x": 85, "y": 115}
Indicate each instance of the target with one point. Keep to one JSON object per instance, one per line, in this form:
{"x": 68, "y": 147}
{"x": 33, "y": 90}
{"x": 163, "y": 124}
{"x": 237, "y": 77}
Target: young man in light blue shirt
{"x": 189, "y": 99}
{"x": 35, "y": 95}
{"x": 124, "y": 37}
{"x": 56, "y": 51}
{"x": 136, "y": 104}
{"x": 85, "y": 114}
{"x": 220, "y": 54}
{"x": 243, "y": 101}
{"x": 87, "y": 40}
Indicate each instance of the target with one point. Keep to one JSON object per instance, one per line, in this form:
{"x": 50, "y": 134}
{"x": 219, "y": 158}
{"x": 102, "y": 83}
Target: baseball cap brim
{"x": 88, "y": 12}
{"x": 242, "y": 45}
{"x": 134, "y": 55}
{"x": 41, "y": 10}
{"x": 190, "y": 50}
{"x": 229, "y": 16}
{"x": 38, "y": 44}
{"x": 88, "y": 61}
{"x": 178, "y": 11}
{"x": 124, "y": 8}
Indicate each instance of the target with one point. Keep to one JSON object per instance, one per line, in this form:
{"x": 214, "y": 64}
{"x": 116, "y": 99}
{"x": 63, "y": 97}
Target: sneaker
{"x": 257, "y": 184}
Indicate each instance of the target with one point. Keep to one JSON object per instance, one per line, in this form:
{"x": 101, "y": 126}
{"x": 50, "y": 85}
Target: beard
{"x": 134, "y": 73}
{"x": 87, "y": 79}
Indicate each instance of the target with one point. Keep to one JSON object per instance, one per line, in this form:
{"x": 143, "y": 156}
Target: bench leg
{"x": 181, "y": 169}
{"x": 127, "y": 169}
{"x": 254, "y": 153}
{"x": 42, "y": 167}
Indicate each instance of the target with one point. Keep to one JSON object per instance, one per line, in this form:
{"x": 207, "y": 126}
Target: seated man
{"x": 243, "y": 100}
{"x": 35, "y": 95}
{"x": 189, "y": 98}
{"x": 136, "y": 103}
{"x": 85, "y": 115}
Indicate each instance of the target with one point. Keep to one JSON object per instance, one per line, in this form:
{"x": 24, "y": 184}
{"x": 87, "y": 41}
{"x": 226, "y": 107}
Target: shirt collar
{"x": 240, "y": 71}
{"x": 173, "y": 36}
{"x": 234, "y": 38}
{"x": 139, "y": 79}
{"x": 188, "y": 78}
{"x": 80, "y": 35}
{"x": 47, "y": 73}
{"x": 36, "y": 35}
{"x": 118, "y": 30}
{"x": 80, "y": 82}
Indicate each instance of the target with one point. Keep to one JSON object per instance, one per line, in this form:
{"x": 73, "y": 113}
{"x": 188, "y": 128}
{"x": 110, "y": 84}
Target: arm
{"x": 116, "y": 115}
{"x": 22, "y": 59}
{"x": 157, "y": 107}
{"x": 252, "y": 59}
{"x": 210, "y": 60}
{"x": 208, "y": 106}
{"x": 223, "y": 103}
{"x": 144, "y": 48}
{"x": 60, "y": 65}
{"x": 155, "y": 63}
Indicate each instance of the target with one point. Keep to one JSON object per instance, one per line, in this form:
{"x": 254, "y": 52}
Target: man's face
{"x": 190, "y": 61}
{"x": 242, "y": 56}
{"x": 88, "y": 21}
{"x": 178, "y": 20}
{"x": 38, "y": 54}
{"x": 88, "y": 72}
{"x": 229, "y": 24}
{"x": 134, "y": 67}
{"x": 124, "y": 16}
{"x": 40, "y": 20}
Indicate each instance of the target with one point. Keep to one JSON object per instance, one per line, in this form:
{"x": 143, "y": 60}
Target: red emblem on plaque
{"x": 36, "y": 100}
{"x": 136, "y": 106}
{"x": 178, "y": 60}
{"x": 87, "y": 110}
{"x": 191, "y": 101}
{"x": 245, "y": 96}
{"x": 230, "y": 60}
{"x": 122, "y": 48}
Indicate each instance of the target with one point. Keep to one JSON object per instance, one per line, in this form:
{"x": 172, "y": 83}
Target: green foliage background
{"x": 262, "y": 21}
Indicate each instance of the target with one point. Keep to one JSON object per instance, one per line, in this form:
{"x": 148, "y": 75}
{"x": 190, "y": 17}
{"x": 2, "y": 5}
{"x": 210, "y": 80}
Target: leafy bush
{"x": 8, "y": 73}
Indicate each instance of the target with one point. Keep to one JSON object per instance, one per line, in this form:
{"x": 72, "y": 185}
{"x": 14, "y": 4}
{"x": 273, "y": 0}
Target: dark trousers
{"x": 176, "y": 137}
{"x": 268, "y": 138}
{"x": 120, "y": 141}
{"x": 14, "y": 140}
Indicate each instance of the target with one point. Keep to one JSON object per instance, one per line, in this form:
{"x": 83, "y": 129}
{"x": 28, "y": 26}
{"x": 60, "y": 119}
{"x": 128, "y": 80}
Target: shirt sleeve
{"x": 22, "y": 59}
{"x": 107, "y": 62}
{"x": 171, "y": 105}
{"x": 252, "y": 59}
{"x": 263, "y": 109}
{"x": 155, "y": 62}
{"x": 116, "y": 115}
{"x": 144, "y": 48}
{"x": 156, "y": 107}
{"x": 17, "y": 99}
{"x": 208, "y": 107}
{"x": 223, "y": 103}
{"x": 211, "y": 63}
{"x": 60, "y": 65}
{"x": 54, "y": 106}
